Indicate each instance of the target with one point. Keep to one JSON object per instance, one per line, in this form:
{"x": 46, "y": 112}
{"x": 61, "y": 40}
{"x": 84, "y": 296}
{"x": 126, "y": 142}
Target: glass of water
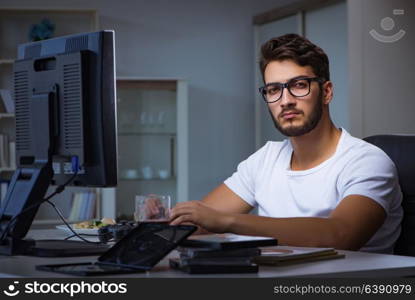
{"x": 152, "y": 208}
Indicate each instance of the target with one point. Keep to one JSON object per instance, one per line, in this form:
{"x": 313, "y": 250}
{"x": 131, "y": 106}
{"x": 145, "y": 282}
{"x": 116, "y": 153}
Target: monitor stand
{"x": 28, "y": 187}
{"x": 65, "y": 248}
{"x": 51, "y": 248}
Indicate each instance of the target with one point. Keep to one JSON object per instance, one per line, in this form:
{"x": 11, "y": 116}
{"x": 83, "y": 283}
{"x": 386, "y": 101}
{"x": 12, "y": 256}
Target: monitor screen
{"x": 64, "y": 91}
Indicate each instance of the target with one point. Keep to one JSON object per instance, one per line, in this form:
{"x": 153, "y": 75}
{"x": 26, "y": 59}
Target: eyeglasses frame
{"x": 285, "y": 86}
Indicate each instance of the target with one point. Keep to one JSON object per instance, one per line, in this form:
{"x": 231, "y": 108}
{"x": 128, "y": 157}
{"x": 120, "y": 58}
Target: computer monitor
{"x": 64, "y": 91}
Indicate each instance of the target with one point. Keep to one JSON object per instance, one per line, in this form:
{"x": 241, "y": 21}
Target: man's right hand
{"x": 202, "y": 215}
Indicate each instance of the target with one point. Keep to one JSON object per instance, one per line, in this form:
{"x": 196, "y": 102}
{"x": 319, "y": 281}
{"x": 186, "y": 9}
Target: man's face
{"x": 294, "y": 116}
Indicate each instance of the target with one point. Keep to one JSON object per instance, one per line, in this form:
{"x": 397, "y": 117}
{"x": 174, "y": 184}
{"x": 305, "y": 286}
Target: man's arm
{"x": 349, "y": 226}
{"x": 224, "y": 199}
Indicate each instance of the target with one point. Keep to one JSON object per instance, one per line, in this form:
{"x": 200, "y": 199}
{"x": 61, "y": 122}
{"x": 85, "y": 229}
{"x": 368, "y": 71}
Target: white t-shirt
{"x": 266, "y": 180}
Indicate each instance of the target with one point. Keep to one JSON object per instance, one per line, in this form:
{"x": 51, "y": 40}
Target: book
{"x": 90, "y": 210}
{"x": 228, "y": 241}
{"x": 7, "y": 99}
{"x": 212, "y": 253}
{"x": 3, "y": 190}
{"x": 12, "y": 155}
{"x": 4, "y": 151}
{"x": 83, "y": 206}
{"x": 285, "y": 255}
{"x": 76, "y": 202}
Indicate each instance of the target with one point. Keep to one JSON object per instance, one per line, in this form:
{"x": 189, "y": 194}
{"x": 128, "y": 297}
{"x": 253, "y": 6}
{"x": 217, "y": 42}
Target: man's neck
{"x": 315, "y": 147}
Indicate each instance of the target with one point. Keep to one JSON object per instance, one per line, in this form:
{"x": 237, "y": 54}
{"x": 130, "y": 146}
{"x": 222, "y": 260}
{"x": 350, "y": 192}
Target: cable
{"x": 69, "y": 226}
{"x": 82, "y": 234}
{"x": 59, "y": 189}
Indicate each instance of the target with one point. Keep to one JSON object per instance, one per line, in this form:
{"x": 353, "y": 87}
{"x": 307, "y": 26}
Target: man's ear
{"x": 327, "y": 89}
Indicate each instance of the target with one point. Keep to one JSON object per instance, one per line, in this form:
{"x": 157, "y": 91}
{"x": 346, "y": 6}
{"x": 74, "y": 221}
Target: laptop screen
{"x": 146, "y": 245}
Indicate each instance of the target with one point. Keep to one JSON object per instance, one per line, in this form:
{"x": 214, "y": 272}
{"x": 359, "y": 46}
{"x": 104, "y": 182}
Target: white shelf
{"x": 7, "y": 170}
{"x": 160, "y": 147}
{"x": 16, "y": 23}
{"x": 137, "y": 133}
{"x": 149, "y": 179}
{"x": 6, "y": 61}
{"x": 48, "y": 222}
{"x": 6, "y": 115}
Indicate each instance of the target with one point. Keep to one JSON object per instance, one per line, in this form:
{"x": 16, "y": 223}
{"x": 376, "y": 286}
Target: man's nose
{"x": 287, "y": 99}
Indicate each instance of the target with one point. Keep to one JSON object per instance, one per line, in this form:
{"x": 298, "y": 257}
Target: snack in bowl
{"x": 94, "y": 224}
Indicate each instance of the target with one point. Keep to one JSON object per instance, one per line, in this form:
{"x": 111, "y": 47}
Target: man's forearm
{"x": 312, "y": 232}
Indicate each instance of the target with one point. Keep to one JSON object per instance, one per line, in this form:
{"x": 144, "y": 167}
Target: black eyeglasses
{"x": 298, "y": 87}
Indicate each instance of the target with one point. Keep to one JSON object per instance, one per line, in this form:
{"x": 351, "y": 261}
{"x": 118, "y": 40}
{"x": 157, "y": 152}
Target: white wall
{"x": 382, "y": 94}
{"x": 210, "y": 44}
{"x": 266, "y": 130}
{"x": 327, "y": 28}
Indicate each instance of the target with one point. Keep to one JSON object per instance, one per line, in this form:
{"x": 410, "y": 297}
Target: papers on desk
{"x": 285, "y": 255}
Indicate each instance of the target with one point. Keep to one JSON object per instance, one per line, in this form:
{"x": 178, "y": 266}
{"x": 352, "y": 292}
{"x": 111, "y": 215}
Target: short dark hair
{"x": 297, "y": 48}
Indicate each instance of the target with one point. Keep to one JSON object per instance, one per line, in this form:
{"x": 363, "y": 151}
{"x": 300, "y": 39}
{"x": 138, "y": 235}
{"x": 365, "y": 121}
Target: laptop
{"x": 140, "y": 250}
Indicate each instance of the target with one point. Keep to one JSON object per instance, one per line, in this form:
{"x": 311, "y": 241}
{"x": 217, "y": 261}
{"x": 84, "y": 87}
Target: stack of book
{"x": 227, "y": 253}
{"x": 231, "y": 253}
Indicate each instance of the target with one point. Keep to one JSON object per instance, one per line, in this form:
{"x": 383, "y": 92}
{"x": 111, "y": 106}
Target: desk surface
{"x": 355, "y": 264}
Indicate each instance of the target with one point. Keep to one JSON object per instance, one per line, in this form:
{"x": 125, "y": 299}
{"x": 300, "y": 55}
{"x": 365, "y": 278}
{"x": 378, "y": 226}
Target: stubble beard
{"x": 309, "y": 124}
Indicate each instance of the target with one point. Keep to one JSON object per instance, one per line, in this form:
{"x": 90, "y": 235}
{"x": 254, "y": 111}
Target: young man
{"x": 319, "y": 188}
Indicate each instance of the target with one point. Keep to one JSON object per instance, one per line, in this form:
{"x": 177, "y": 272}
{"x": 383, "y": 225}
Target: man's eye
{"x": 299, "y": 84}
{"x": 273, "y": 90}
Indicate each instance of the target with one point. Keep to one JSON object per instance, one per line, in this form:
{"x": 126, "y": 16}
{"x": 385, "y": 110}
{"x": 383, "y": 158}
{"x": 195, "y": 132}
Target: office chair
{"x": 401, "y": 149}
